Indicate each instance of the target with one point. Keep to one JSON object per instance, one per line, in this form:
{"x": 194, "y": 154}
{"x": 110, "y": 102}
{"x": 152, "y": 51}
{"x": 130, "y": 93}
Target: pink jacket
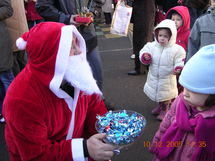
{"x": 184, "y": 149}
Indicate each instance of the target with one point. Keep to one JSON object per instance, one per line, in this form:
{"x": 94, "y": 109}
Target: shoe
{"x": 156, "y": 110}
{"x": 132, "y": 56}
{"x": 2, "y": 120}
{"x": 134, "y": 72}
{"x": 161, "y": 116}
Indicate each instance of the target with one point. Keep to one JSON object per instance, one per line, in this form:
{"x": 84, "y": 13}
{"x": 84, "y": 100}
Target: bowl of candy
{"x": 122, "y": 127}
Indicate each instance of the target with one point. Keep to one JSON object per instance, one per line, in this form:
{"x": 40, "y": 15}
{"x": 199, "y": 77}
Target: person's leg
{"x": 156, "y": 110}
{"x": 15, "y": 68}
{"x": 136, "y": 70}
{"x": 94, "y": 60}
{"x": 130, "y": 36}
{"x": 143, "y": 20}
{"x": 22, "y": 59}
{"x": 2, "y": 94}
{"x": 5, "y": 80}
{"x": 165, "y": 105}
{"x": 30, "y": 24}
{"x": 137, "y": 63}
{"x": 107, "y": 18}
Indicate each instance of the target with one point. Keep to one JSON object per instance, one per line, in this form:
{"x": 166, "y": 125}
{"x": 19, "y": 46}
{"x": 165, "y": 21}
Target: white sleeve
{"x": 77, "y": 150}
{"x": 145, "y": 49}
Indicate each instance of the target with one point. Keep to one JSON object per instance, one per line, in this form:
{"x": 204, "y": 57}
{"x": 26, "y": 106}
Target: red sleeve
{"x": 96, "y": 107}
{"x": 27, "y": 133}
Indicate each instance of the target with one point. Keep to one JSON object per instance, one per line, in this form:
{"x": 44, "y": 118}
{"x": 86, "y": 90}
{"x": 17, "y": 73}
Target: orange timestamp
{"x": 175, "y": 144}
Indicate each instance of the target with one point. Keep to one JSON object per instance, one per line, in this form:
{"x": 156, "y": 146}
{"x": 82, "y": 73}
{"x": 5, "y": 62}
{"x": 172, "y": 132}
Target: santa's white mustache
{"x": 79, "y": 75}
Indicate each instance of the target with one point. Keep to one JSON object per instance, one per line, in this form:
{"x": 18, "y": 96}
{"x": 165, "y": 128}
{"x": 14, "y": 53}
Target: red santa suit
{"x": 43, "y": 122}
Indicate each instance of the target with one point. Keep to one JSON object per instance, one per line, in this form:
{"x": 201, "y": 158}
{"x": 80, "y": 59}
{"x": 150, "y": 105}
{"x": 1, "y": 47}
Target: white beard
{"x": 79, "y": 75}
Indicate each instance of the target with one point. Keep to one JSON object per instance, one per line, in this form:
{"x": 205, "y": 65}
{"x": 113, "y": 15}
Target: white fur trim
{"x": 77, "y": 150}
{"x": 21, "y": 43}
{"x": 62, "y": 58}
{"x": 72, "y": 106}
{"x": 60, "y": 68}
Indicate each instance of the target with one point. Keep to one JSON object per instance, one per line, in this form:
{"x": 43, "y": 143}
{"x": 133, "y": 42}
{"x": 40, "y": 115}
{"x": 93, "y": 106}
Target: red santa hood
{"x": 183, "y": 32}
{"x": 48, "y": 47}
{"x": 184, "y": 12}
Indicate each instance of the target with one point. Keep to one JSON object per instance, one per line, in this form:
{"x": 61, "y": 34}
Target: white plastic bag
{"x": 121, "y": 19}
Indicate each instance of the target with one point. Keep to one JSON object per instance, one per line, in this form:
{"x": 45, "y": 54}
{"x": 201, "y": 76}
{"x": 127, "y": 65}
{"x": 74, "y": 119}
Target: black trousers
{"x": 108, "y": 18}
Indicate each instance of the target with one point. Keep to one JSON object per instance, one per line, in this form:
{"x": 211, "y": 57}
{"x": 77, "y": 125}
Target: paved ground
{"x": 123, "y": 91}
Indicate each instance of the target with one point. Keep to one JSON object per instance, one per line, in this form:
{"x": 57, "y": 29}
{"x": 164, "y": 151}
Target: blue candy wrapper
{"x": 121, "y": 127}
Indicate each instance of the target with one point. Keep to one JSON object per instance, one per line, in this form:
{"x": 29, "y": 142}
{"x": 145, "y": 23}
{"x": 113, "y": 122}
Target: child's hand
{"x": 177, "y": 70}
{"x": 147, "y": 56}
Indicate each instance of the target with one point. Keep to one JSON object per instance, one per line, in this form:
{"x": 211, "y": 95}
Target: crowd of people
{"x": 53, "y": 61}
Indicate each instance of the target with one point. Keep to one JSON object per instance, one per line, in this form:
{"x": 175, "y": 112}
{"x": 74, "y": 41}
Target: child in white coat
{"x": 165, "y": 59}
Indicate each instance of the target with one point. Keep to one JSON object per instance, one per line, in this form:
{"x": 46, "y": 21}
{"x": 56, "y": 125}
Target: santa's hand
{"x": 98, "y": 150}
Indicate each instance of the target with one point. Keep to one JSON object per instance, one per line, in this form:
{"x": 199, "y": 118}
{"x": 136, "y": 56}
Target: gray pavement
{"x": 123, "y": 91}
{"x": 126, "y": 92}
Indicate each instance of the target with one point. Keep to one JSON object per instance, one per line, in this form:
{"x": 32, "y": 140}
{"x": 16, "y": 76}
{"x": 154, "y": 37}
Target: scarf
{"x": 203, "y": 129}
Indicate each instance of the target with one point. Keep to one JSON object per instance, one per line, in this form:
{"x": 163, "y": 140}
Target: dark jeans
{"x": 94, "y": 60}
{"x": 108, "y": 18}
{"x": 6, "y": 78}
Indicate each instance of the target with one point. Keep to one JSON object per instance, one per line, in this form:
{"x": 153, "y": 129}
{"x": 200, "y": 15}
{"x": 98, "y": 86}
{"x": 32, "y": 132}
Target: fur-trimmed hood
{"x": 169, "y": 24}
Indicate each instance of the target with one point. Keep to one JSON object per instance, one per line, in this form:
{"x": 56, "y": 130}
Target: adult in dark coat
{"x": 196, "y": 8}
{"x": 17, "y": 25}
{"x": 167, "y": 4}
{"x": 143, "y": 20}
{"x": 6, "y": 55}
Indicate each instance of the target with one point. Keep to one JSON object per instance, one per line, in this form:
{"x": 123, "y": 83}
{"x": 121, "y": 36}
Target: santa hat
{"x": 48, "y": 46}
{"x": 198, "y": 73}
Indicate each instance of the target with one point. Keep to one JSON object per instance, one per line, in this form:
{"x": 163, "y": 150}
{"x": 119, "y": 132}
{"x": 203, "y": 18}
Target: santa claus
{"x": 50, "y": 108}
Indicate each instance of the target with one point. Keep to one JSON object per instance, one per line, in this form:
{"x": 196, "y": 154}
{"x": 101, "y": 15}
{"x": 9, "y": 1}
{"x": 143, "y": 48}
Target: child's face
{"x": 195, "y": 99}
{"x": 75, "y": 49}
{"x": 177, "y": 19}
{"x": 163, "y": 37}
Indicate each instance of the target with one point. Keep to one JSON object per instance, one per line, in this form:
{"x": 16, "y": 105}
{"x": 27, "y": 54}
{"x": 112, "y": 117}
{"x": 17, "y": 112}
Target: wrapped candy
{"x": 121, "y": 127}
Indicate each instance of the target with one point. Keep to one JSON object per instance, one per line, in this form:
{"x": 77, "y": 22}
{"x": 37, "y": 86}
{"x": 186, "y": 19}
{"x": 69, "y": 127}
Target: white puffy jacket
{"x": 161, "y": 84}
